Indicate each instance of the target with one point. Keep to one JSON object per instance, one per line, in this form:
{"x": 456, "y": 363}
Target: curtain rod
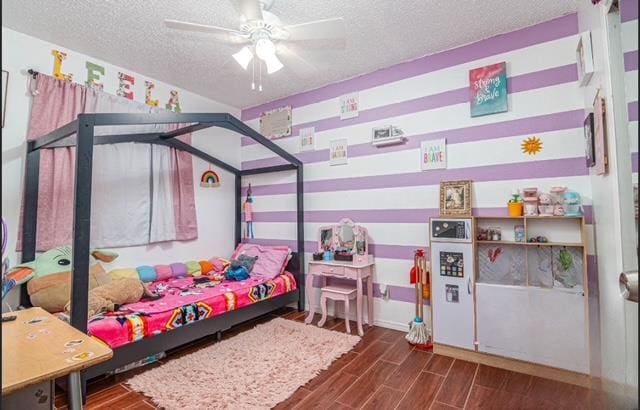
{"x": 33, "y": 73}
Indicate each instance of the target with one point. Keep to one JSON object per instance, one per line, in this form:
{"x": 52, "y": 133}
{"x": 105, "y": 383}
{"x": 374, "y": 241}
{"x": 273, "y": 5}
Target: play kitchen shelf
{"x": 531, "y": 297}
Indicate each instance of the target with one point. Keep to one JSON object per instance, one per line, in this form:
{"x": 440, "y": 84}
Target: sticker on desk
{"x": 69, "y": 350}
{"x": 81, "y": 356}
{"x": 35, "y": 320}
{"x": 72, "y": 343}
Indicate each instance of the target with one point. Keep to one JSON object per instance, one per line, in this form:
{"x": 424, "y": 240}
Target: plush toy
{"x": 241, "y": 267}
{"x": 109, "y": 297}
{"x": 48, "y": 277}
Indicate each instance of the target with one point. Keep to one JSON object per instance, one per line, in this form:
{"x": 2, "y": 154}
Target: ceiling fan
{"x": 261, "y": 30}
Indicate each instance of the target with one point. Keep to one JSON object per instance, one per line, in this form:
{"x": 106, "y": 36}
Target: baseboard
{"x": 520, "y": 366}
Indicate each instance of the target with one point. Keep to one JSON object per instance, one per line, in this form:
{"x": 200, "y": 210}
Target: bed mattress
{"x": 183, "y": 302}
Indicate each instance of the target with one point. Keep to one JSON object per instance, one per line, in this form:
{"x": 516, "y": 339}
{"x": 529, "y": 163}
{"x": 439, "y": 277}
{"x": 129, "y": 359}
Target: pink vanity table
{"x": 350, "y": 236}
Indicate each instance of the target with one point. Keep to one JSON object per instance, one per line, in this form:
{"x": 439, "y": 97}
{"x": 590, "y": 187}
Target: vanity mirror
{"x": 344, "y": 238}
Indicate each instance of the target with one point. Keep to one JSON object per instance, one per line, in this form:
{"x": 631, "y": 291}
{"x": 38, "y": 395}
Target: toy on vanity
{"x": 344, "y": 242}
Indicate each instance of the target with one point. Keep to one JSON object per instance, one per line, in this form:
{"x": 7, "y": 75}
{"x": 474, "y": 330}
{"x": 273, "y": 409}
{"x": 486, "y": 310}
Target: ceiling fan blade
{"x": 300, "y": 67}
{"x": 315, "y": 30}
{"x": 249, "y": 9}
{"x": 218, "y": 33}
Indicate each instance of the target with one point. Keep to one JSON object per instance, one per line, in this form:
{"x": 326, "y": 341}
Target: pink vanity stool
{"x": 338, "y": 293}
{"x": 352, "y": 239}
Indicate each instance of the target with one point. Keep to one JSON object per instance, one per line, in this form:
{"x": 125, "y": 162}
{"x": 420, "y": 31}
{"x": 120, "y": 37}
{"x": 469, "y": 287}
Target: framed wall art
{"x": 488, "y": 89}
{"x": 589, "y": 146}
{"x": 455, "y": 198}
{"x": 600, "y": 134}
{"x": 584, "y": 58}
{"x": 276, "y": 123}
{"x": 5, "y": 83}
{"x": 338, "y": 152}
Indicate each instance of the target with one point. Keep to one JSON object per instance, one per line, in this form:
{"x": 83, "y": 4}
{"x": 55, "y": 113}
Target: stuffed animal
{"x": 241, "y": 267}
{"x": 109, "y": 297}
{"x": 48, "y": 277}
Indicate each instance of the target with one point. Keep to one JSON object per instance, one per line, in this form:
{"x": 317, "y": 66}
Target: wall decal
{"x": 93, "y": 75}
{"x": 531, "y": 146}
{"x": 58, "y": 58}
{"x": 174, "y": 102}
{"x": 488, "y": 87}
{"x": 124, "y": 86}
{"x": 149, "y": 86}
{"x": 349, "y": 105}
{"x": 433, "y": 154}
{"x": 589, "y": 143}
{"x": 276, "y": 123}
{"x": 338, "y": 152}
{"x": 307, "y": 139}
{"x": 600, "y": 134}
{"x": 209, "y": 179}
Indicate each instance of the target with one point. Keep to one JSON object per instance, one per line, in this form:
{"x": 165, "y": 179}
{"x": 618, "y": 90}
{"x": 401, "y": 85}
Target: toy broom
{"x": 418, "y": 335}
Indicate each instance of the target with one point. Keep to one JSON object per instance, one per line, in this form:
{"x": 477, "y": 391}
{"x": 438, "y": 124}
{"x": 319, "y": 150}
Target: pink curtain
{"x": 57, "y": 103}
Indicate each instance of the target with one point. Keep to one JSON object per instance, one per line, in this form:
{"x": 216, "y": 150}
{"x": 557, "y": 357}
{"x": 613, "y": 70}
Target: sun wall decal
{"x": 532, "y": 146}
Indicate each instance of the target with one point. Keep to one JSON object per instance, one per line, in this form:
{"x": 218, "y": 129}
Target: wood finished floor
{"x": 381, "y": 372}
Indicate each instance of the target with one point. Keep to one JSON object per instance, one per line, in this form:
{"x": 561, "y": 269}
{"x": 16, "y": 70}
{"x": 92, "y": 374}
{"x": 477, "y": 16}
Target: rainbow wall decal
{"x": 209, "y": 179}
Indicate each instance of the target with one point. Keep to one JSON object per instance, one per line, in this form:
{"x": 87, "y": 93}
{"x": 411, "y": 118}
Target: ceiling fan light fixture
{"x": 273, "y": 64}
{"x": 265, "y": 49}
{"x": 243, "y": 57}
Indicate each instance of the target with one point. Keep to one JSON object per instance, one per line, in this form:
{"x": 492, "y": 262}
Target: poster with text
{"x": 488, "y": 87}
{"x": 307, "y": 139}
{"x": 433, "y": 154}
{"x": 338, "y": 152}
{"x": 276, "y": 123}
{"x": 349, "y": 105}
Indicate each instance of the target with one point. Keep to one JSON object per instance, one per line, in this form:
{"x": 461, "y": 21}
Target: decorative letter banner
{"x": 174, "y": 102}
{"x": 93, "y": 77}
{"x": 488, "y": 87}
{"x": 58, "y": 57}
{"x": 349, "y": 106}
{"x": 149, "y": 86}
{"x": 433, "y": 154}
{"x": 124, "y": 87}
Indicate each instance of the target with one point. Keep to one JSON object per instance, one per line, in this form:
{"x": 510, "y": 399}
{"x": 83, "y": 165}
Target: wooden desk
{"x": 345, "y": 270}
{"x": 35, "y": 349}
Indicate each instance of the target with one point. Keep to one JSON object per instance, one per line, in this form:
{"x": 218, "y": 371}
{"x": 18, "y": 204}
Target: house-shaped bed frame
{"x": 81, "y": 134}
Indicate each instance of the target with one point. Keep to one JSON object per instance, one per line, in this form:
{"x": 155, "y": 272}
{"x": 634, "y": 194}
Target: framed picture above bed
{"x": 455, "y": 198}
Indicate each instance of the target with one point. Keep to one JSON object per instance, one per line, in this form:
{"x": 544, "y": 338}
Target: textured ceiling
{"x": 380, "y": 33}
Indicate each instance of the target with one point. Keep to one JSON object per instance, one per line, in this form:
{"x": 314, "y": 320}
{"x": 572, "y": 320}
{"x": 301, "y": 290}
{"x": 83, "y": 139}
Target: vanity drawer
{"x": 333, "y": 270}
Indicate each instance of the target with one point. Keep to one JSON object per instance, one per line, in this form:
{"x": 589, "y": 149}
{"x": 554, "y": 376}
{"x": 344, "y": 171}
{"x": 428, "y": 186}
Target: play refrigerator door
{"x": 452, "y": 296}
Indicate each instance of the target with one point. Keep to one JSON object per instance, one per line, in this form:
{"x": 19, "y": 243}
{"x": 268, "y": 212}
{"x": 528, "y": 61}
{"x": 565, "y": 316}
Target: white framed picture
{"x": 5, "y": 83}
{"x": 349, "y": 105}
{"x": 338, "y": 152}
{"x": 433, "y": 154}
{"x": 584, "y": 58}
{"x": 307, "y": 139}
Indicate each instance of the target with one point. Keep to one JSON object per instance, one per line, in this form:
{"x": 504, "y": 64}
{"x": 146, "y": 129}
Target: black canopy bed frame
{"x": 80, "y": 133}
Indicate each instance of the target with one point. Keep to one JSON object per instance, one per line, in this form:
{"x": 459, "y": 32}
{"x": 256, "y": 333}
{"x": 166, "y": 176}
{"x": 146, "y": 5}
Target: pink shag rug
{"x": 256, "y": 369}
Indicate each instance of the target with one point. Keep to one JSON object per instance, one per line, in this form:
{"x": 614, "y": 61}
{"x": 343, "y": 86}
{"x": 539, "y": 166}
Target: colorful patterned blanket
{"x": 184, "y": 301}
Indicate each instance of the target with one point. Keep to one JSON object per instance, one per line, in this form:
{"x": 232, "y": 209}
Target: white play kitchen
{"x": 514, "y": 287}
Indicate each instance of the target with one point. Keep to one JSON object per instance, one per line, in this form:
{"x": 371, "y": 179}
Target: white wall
{"x": 618, "y": 340}
{"x": 215, "y": 207}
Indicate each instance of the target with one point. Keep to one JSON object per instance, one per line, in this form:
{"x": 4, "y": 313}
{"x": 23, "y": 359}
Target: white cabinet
{"x": 544, "y": 326}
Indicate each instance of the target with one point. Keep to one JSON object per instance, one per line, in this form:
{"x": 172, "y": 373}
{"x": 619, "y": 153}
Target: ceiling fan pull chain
{"x": 253, "y": 74}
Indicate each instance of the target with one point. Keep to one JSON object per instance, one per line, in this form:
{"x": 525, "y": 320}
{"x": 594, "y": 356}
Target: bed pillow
{"x": 163, "y": 272}
{"x": 271, "y": 259}
{"x": 194, "y": 268}
{"x": 124, "y": 273}
{"x": 147, "y": 273}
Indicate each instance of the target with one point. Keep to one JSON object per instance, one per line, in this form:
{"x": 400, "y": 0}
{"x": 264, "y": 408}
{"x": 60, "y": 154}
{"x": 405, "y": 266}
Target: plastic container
{"x": 515, "y": 208}
{"x": 530, "y": 209}
{"x": 545, "y": 210}
{"x": 328, "y": 256}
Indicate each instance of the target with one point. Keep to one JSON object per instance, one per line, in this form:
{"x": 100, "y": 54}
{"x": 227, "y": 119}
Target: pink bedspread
{"x": 182, "y": 303}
